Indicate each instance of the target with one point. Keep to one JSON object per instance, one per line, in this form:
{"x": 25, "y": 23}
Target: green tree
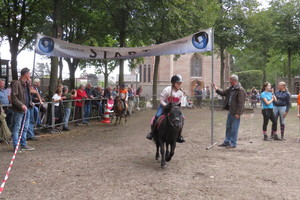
{"x": 163, "y": 21}
{"x": 252, "y": 53}
{"x": 250, "y": 79}
{"x": 20, "y": 21}
{"x": 79, "y": 21}
{"x": 229, "y": 26}
{"x": 286, "y": 18}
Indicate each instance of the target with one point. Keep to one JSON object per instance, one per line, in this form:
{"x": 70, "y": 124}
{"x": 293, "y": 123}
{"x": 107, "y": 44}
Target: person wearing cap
{"x": 172, "y": 94}
{"x": 234, "y": 102}
{"x": 21, "y": 103}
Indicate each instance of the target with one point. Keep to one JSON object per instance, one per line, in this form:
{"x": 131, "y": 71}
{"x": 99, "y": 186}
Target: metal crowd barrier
{"x": 49, "y": 119}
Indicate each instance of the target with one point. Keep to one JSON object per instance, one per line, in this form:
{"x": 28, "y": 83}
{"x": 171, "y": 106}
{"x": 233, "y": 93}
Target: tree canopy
{"x": 263, "y": 39}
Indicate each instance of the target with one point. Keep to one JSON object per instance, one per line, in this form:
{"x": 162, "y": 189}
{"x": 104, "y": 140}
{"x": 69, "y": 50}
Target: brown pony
{"x": 119, "y": 110}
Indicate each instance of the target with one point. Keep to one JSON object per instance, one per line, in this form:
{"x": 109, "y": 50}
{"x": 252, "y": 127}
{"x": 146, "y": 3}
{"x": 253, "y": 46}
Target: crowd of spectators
{"x": 75, "y": 105}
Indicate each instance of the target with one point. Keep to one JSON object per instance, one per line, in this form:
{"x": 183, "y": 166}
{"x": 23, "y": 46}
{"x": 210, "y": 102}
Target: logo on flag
{"x": 200, "y": 40}
{"x": 46, "y": 44}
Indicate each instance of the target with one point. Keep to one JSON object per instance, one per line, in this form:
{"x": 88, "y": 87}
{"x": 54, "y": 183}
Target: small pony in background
{"x": 119, "y": 110}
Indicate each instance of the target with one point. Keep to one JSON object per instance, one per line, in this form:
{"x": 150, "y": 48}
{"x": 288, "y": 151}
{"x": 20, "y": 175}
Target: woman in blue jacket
{"x": 281, "y": 105}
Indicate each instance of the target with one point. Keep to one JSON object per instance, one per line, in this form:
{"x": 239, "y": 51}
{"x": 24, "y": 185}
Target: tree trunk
{"x": 57, "y": 32}
{"x": 121, "y": 72}
{"x": 60, "y": 69}
{"x": 105, "y": 74}
{"x": 72, "y": 68}
{"x": 123, "y": 26}
{"x": 154, "y": 88}
{"x": 13, "y": 61}
{"x": 72, "y": 78}
{"x": 53, "y": 77}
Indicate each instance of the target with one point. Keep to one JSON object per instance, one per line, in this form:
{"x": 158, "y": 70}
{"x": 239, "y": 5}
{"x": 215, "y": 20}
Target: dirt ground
{"x": 117, "y": 162}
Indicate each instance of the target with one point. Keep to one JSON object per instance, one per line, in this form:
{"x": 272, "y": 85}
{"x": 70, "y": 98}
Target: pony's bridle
{"x": 172, "y": 120}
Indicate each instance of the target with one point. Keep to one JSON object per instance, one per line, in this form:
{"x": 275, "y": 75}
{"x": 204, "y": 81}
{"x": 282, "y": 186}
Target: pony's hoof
{"x": 163, "y": 166}
{"x": 168, "y": 159}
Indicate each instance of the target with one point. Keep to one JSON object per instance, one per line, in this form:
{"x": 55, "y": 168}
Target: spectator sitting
{"x": 5, "y": 101}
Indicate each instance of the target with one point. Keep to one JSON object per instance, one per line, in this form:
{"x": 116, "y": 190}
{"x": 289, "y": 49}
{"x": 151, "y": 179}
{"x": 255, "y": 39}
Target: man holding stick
{"x": 21, "y": 103}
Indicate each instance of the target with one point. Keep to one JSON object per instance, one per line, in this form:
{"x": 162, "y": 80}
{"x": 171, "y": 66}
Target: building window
{"x": 196, "y": 68}
{"x": 140, "y": 72}
{"x": 149, "y": 73}
{"x": 145, "y": 74}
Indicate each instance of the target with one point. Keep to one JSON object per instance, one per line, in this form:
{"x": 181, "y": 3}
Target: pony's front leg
{"x": 117, "y": 117}
{"x": 162, "y": 153}
{"x": 169, "y": 157}
{"x": 167, "y": 150}
{"x": 157, "y": 151}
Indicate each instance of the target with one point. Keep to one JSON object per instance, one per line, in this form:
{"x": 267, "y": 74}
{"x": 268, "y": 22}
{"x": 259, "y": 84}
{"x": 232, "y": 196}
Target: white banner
{"x": 198, "y": 42}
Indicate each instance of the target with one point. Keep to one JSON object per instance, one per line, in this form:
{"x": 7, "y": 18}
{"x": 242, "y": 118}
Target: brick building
{"x": 194, "y": 68}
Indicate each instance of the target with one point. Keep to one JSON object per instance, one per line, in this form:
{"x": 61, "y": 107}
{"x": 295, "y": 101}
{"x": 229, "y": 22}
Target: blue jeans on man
{"x": 30, "y": 133}
{"x": 66, "y": 117}
{"x": 18, "y": 119}
{"x": 87, "y": 112}
{"x": 232, "y": 129}
{"x": 37, "y": 116}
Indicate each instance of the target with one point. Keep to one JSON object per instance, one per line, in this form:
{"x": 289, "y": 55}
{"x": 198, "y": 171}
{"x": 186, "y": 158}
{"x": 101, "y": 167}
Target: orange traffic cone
{"x": 107, "y": 111}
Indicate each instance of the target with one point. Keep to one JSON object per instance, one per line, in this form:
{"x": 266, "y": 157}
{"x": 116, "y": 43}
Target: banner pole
{"x": 33, "y": 66}
{"x": 212, "y": 92}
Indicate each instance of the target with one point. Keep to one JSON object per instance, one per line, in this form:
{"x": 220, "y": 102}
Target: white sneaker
{"x": 138, "y": 108}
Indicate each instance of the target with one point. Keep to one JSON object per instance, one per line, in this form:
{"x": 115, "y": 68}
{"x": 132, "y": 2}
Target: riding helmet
{"x": 176, "y": 78}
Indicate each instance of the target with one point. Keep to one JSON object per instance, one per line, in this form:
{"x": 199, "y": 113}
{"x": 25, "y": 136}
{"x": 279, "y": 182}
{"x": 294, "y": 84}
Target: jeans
{"x": 87, "y": 111}
{"x": 37, "y": 117}
{"x": 66, "y": 117}
{"x": 232, "y": 129}
{"x": 18, "y": 119}
{"x": 30, "y": 133}
{"x": 159, "y": 111}
{"x": 279, "y": 112}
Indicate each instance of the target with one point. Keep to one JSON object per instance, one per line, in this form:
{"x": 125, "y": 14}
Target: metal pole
{"x": 53, "y": 115}
{"x": 33, "y": 66}
{"x": 212, "y": 92}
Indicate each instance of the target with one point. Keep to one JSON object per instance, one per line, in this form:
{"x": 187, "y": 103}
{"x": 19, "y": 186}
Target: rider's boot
{"x": 180, "y": 139}
{"x": 150, "y": 134}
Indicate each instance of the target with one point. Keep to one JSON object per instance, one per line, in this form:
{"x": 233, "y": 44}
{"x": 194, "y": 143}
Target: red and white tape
{"x": 13, "y": 158}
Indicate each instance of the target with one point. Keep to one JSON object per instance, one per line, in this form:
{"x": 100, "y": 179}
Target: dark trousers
{"x": 268, "y": 114}
{"x": 199, "y": 102}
